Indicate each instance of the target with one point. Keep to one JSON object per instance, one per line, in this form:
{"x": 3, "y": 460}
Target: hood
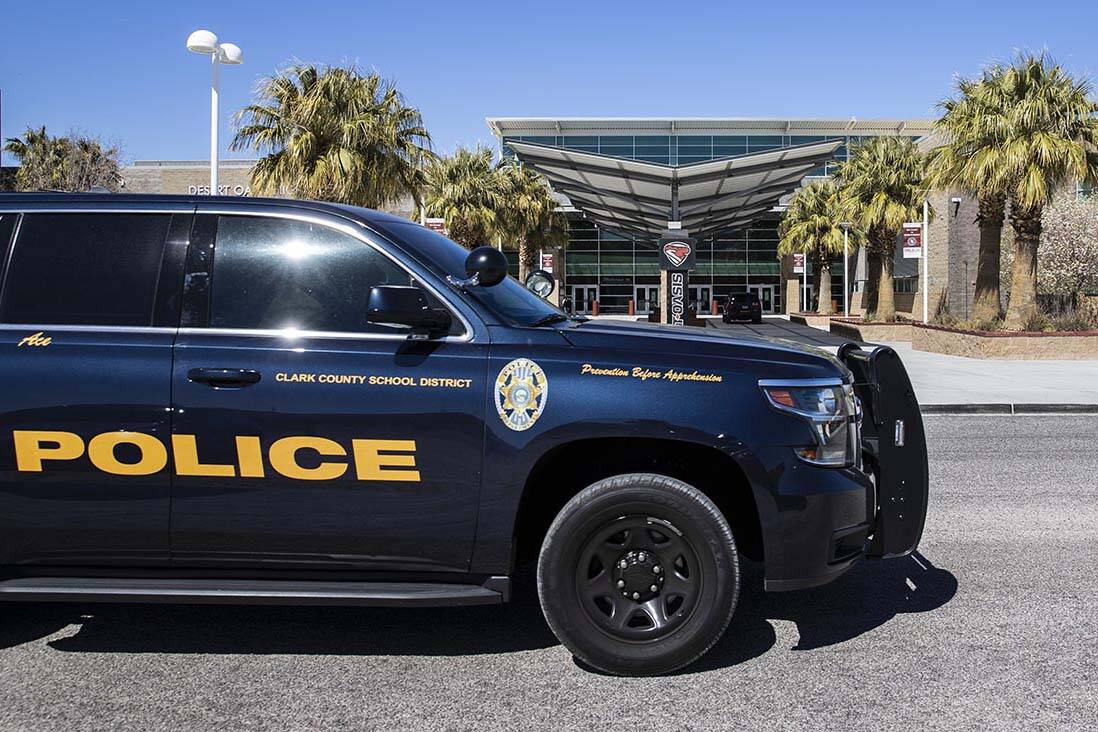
{"x": 788, "y": 359}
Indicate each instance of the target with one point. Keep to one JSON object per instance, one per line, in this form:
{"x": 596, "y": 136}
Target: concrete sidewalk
{"x": 940, "y": 379}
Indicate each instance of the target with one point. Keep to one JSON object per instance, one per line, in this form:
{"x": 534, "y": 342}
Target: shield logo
{"x": 676, "y": 252}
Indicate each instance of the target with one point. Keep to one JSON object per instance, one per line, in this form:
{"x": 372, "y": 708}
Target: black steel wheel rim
{"x": 638, "y": 578}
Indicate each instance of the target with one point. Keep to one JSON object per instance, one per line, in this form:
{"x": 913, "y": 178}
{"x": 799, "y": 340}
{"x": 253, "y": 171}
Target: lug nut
{"x": 640, "y": 557}
{"x": 654, "y": 588}
{"x": 623, "y": 564}
{"x": 656, "y": 569}
{"x": 621, "y": 583}
{"x": 636, "y": 595}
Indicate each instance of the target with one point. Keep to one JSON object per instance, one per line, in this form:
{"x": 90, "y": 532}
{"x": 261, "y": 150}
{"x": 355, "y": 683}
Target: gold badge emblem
{"x": 521, "y": 392}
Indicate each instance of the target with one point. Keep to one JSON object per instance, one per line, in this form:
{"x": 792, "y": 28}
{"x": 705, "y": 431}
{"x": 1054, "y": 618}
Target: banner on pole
{"x": 912, "y": 240}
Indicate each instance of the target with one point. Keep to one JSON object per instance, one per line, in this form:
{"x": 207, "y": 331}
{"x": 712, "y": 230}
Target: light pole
{"x": 205, "y": 42}
{"x": 846, "y": 267}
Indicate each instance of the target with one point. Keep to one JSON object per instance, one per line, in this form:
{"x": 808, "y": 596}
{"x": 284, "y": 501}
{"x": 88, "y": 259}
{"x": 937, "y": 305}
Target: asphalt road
{"x": 994, "y": 626}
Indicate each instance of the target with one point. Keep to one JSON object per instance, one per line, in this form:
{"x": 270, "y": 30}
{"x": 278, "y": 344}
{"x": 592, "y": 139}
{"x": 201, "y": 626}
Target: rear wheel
{"x": 639, "y": 574}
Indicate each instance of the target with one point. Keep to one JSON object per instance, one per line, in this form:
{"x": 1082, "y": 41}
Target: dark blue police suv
{"x": 260, "y": 401}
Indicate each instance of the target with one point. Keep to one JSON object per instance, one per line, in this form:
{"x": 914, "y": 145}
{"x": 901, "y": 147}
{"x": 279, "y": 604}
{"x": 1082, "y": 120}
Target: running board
{"x": 253, "y": 592}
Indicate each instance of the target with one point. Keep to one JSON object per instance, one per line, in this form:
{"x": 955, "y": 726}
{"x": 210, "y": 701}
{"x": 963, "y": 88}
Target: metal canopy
{"x": 636, "y": 197}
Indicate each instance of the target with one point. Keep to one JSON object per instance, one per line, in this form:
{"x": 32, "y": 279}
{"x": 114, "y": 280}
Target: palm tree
{"x": 884, "y": 184}
{"x": 1047, "y": 136}
{"x": 529, "y": 215}
{"x": 972, "y": 127}
{"x": 812, "y": 225}
{"x": 334, "y": 134}
{"x": 465, "y": 190}
{"x": 72, "y": 163}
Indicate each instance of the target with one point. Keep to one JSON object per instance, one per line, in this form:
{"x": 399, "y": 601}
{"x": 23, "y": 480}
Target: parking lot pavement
{"x": 992, "y": 626}
{"x": 942, "y": 379}
{"x": 775, "y": 327}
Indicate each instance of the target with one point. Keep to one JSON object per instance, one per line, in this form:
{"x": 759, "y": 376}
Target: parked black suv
{"x": 240, "y": 400}
{"x": 741, "y": 305}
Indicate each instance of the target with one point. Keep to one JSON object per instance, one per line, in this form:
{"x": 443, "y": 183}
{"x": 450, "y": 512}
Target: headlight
{"x": 830, "y": 408}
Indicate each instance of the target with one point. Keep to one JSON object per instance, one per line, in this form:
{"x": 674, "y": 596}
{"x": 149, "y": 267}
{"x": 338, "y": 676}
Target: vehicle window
{"x": 278, "y": 274}
{"x": 7, "y": 226}
{"x": 85, "y": 269}
{"x": 509, "y": 299}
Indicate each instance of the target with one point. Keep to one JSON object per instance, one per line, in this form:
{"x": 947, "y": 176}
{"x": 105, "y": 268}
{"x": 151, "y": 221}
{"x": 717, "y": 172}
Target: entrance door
{"x": 702, "y": 297}
{"x": 647, "y": 298}
{"x": 584, "y": 297}
{"x": 767, "y": 297}
{"x": 86, "y": 362}
{"x": 306, "y": 437}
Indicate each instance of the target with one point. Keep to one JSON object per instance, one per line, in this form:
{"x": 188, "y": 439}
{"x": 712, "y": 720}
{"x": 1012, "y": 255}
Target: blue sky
{"x": 120, "y": 70}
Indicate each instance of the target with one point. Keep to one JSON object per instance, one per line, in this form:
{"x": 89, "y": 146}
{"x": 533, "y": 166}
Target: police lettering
{"x": 324, "y": 459}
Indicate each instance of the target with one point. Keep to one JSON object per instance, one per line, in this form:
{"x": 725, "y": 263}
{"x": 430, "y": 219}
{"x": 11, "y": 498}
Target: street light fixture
{"x": 204, "y": 42}
{"x": 846, "y": 267}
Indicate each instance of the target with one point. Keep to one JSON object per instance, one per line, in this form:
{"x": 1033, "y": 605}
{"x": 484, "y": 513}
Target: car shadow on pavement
{"x": 865, "y": 598}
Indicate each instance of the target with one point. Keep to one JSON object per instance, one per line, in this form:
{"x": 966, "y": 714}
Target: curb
{"x": 1009, "y": 409}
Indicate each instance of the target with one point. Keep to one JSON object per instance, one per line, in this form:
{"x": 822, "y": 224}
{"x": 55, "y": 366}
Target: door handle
{"x": 224, "y": 378}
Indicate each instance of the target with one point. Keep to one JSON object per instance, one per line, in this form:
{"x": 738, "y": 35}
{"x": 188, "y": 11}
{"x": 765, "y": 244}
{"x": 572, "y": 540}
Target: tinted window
{"x": 85, "y": 269}
{"x": 509, "y": 299}
{"x": 7, "y": 226}
{"x": 280, "y": 273}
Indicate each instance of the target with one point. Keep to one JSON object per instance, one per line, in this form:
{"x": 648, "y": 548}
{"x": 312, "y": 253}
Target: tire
{"x": 607, "y": 613}
{"x": 757, "y": 321}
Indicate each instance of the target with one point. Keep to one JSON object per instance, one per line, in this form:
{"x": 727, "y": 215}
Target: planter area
{"x": 999, "y": 345}
{"x": 823, "y": 322}
{"x": 870, "y": 332}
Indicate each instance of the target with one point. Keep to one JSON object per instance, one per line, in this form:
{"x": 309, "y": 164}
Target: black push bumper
{"x": 877, "y": 511}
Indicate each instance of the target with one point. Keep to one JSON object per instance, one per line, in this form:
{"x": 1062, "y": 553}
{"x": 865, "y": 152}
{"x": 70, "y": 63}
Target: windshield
{"x": 509, "y": 300}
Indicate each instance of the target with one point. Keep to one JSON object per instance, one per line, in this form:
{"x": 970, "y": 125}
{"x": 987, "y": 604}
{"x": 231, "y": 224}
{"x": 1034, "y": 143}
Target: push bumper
{"x": 825, "y": 520}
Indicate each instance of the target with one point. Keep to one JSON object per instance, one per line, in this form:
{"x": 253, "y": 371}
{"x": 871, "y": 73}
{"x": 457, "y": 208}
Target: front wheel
{"x": 639, "y": 574}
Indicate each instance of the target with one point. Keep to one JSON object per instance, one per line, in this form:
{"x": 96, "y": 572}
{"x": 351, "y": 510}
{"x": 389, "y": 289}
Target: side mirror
{"x": 408, "y": 306}
{"x": 487, "y": 264}
{"x": 540, "y": 283}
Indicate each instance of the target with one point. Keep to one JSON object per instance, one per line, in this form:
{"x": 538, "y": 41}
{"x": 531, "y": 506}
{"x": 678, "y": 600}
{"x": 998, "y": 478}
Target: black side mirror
{"x": 487, "y": 264}
{"x": 406, "y": 305}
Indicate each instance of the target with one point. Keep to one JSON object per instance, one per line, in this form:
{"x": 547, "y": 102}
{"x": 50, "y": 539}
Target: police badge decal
{"x": 521, "y": 391}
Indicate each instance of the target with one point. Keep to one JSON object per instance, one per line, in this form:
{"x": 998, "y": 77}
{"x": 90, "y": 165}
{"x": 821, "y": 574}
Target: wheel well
{"x": 566, "y": 470}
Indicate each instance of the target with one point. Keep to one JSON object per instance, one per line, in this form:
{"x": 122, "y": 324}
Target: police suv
{"x": 210, "y": 399}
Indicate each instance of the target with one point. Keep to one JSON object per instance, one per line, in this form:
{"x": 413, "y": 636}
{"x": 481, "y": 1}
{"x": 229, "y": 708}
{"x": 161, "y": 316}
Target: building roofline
{"x": 799, "y": 125}
{"x": 234, "y": 163}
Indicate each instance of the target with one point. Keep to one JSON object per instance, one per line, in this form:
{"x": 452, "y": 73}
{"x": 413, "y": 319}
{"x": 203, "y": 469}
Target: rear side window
{"x": 85, "y": 269}
{"x": 272, "y": 274}
{"x": 7, "y": 226}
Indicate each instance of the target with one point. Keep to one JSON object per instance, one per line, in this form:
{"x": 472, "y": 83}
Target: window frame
{"x": 196, "y": 305}
{"x": 179, "y": 217}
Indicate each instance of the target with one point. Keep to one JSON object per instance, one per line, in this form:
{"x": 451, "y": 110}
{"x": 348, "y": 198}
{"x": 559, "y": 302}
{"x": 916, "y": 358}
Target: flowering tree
{"x": 1068, "y": 259}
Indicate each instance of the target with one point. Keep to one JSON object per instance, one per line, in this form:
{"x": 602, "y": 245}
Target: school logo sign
{"x": 677, "y": 252}
{"x": 521, "y": 392}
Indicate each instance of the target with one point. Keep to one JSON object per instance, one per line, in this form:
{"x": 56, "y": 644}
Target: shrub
{"x": 1036, "y": 323}
{"x": 1072, "y": 322}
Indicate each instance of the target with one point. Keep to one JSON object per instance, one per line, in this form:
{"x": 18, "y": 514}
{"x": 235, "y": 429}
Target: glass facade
{"x": 614, "y": 269}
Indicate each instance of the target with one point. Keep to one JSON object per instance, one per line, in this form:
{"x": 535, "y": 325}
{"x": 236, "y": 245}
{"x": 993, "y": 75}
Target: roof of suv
{"x": 107, "y": 199}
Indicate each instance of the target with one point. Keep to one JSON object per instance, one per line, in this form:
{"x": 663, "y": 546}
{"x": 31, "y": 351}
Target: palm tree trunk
{"x": 816, "y": 264}
{"x": 872, "y": 282}
{"x": 824, "y": 290}
{"x": 1023, "y": 281}
{"x": 525, "y": 256}
{"x": 886, "y": 291}
{"x": 986, "y": 304}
